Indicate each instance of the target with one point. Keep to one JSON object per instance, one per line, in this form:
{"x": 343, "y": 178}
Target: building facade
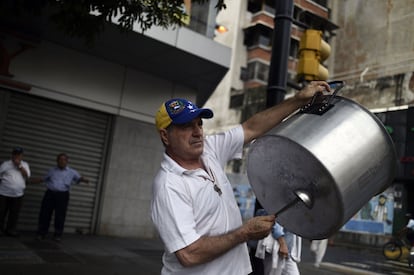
{"x": 371, "y": 54}
{"x": 97, "y": 104}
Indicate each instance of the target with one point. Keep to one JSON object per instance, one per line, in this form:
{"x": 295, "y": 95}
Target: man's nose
{"x": 197, "y": 130}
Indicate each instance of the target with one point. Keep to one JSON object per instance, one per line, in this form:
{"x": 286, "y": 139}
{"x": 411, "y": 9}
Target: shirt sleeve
{"x": 48, "y": 175}
{"x": 75, "y": 176}
{"x": 27, "y": 168}
{"x": 2, "y": 167}
{"x": 227, "y": 145}
{"x": 277, "y": 231}
{"x": 172, "y": 214}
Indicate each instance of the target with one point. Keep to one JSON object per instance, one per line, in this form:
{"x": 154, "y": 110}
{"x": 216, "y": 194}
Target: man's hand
{"x": 258, "y": 227}
{"x": 310, "y": 90}
{"x": 85, "y": 180}
{"x": 283, "y": 249}
{"x": 23, "y": 171}
{"x": 207, "y": 248}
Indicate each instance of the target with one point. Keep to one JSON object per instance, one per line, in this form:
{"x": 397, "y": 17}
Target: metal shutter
{"x": 45, "y": 128}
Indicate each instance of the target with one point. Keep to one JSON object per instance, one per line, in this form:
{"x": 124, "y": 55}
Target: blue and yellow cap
{"x": 179, "y": 111}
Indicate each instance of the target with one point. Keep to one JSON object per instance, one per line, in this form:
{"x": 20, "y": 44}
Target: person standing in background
{"x": 281, "y": 252}
{"x": 318, "y": 247}
{"x": 58, "y": 181}
{"x": 13, "y": 176}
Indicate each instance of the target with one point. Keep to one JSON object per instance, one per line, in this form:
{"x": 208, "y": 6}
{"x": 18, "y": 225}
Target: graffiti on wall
{"x": 375, "y": 217}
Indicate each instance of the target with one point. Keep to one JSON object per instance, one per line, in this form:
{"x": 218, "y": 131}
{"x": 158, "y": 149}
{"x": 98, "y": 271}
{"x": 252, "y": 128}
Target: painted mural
{"x": 375, "y": 217}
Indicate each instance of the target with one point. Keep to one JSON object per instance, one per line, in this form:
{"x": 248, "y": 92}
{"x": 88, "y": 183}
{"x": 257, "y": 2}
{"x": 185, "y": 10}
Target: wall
{"x": 133, "y": 162}
{"x": 67, "y": 75}
{"x": 233, "y": 18}
{"x": 373, "y": 48}
{"x": 132, "y": 96}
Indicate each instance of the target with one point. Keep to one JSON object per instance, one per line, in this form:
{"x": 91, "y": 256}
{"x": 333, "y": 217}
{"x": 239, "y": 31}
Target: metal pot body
{"x": 342, "y": 158}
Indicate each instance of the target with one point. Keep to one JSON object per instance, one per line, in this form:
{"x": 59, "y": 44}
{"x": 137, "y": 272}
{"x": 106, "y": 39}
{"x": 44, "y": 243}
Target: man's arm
{"x": 283, "y": 248}
{"x": 83, "y": 179}
{"x": 279, "y": 235}
{"x": 36, "y": 180}
{"x": 262, "y": 122}
{"x": 207, "y": 248}
{"x": 24, "y": 172}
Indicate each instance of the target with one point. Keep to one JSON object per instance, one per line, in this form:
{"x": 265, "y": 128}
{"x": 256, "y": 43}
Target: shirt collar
{"x": 171, "y": 165}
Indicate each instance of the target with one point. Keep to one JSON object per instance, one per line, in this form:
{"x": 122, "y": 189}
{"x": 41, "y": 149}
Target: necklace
{"x": 212, "y": 179}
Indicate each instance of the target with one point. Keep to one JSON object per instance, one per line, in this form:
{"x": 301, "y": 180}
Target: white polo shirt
{"x": 12, "y": 182}
{"x": 185, "y": 207}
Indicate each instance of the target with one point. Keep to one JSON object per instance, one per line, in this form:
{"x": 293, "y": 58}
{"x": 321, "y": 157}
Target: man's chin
{"x": 197, "y": 147}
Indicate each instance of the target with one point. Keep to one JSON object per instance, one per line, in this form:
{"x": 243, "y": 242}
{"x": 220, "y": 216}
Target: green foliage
{"x": 74, "y": 17}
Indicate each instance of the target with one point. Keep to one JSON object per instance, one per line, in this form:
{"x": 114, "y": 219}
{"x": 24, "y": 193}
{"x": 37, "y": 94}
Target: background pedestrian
{"x": 13, "y": 176}
{"x": 318, "y": 247}
{"x": 59, "y": 180}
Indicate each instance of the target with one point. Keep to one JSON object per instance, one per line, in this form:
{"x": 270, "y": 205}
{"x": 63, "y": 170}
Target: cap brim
{"x": 202, "y": 113}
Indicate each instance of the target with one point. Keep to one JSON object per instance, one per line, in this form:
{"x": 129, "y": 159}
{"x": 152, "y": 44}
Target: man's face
{"x": 62, "y": 161}
{"x": 184, "y": 142}
{"x": 17, "y": 158}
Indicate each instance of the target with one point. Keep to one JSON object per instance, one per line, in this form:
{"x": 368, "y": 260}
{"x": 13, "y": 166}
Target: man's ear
{"x": 164, "y": 136}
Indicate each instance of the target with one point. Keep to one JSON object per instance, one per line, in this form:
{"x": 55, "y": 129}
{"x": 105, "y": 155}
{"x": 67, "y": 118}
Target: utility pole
{"x": 277, "y": 83}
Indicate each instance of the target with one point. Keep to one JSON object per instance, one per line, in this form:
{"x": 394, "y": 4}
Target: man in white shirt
{"x": 193, "y": 205}
{"x": 13, "y": 176}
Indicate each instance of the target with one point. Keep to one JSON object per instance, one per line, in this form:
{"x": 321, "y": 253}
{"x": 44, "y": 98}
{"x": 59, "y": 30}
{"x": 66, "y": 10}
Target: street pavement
{"x": 88, "y": 254}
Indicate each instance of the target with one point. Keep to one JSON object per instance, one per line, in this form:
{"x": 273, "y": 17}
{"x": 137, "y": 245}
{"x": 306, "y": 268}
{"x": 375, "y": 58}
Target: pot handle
{"x": 336, "y": 86}
{"x": 319, "y": 107}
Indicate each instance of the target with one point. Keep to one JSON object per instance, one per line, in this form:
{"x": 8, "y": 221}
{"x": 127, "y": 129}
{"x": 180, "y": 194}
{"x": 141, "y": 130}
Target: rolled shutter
{"x": 45, "y": 128}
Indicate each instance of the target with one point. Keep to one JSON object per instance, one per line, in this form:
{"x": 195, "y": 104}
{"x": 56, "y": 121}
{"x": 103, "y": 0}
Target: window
{"x": 262, "y": 71}
{"x": 258, "y": 34}
{"x": 255, "y": 101}
{"x": 323, "y": 3}
{"x": 236, "y": 98}
{"x": 236, "y": 101}
{"x": 203, "y": 18}
{"x": 269, "y": 6}
{"x": 255, "y": 6}
{"x": 258, "y": 71}
{"x": 294, "y": 48}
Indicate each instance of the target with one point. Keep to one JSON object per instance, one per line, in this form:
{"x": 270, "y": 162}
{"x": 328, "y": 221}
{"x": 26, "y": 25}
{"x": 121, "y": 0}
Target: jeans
{"x": 53, "y": 201}
{"x": 10, "y": 207}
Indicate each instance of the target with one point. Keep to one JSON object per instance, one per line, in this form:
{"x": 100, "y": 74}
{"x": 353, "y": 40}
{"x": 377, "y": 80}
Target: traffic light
{"x": 313, "y": 50}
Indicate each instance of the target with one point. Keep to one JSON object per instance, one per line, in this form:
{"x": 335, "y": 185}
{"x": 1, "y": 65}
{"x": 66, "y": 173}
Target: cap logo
{"x": 191, "y": 107}
{"x": 175, "y": 107}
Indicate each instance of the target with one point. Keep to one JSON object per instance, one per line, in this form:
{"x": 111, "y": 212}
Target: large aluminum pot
{"x": 335, "y": 152}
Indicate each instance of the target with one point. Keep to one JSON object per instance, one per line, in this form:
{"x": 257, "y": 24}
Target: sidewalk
{"x": 79, "y": 254}
{"x": 87, "y": 254}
